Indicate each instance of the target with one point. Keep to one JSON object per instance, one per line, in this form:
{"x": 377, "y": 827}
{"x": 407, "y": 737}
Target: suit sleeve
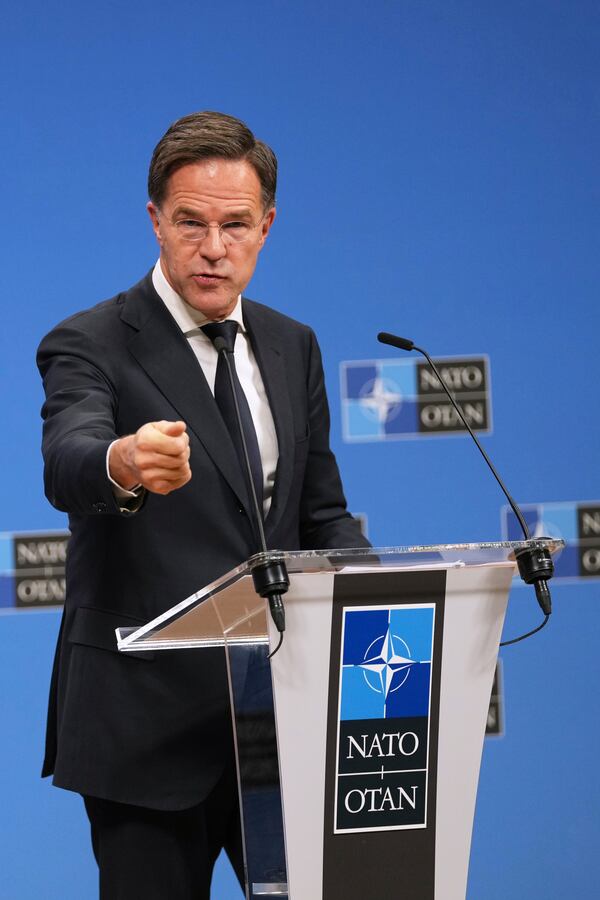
{"x": 79, "y": 422}
{"x": 325, "y": 522}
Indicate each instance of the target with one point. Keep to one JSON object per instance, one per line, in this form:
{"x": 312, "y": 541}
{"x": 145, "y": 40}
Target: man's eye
{"x": 190, "y": 223}
{"x": 235, "y": 226}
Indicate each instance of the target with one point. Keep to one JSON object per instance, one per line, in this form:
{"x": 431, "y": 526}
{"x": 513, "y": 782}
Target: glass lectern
{"x": 358, "y": 745}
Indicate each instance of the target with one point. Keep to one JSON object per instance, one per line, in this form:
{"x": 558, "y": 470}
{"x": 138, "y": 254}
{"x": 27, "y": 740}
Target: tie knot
{"x": 226, "y": 331}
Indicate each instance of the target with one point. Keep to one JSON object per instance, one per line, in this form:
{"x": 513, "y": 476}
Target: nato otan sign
{"x": 383, "y": 724}
{"x": 388, "y": 399}
{"x": 32, "y": 570}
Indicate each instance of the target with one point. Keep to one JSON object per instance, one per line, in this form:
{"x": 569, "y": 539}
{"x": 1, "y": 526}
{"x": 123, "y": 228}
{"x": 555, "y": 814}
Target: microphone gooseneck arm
{"x": 404, "y": 344}
{"x": 270, "y": 579}
{"x": 535, "y": 565}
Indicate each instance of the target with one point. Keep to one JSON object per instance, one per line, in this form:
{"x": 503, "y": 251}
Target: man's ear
{"x": 153, "y": 213}
{"x": 266, "y": 226}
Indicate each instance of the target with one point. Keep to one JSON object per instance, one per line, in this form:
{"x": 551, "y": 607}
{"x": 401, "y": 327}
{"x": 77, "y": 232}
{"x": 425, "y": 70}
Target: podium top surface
{"x": 232, "y": 599}
{"x": 478, "y": 554}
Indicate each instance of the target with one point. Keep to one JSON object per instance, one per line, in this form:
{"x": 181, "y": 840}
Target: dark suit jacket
{"x": 155, "y": 729}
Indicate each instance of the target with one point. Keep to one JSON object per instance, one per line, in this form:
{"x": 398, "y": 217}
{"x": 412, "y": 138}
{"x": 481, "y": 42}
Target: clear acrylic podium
{"x": 358, "y": 745}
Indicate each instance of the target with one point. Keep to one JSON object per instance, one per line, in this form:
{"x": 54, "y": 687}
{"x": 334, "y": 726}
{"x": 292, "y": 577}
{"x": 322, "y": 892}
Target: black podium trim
{"x": 386, "y": 864}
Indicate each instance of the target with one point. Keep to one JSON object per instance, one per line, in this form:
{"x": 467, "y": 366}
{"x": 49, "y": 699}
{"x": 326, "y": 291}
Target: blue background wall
{"x": 439, "y": 178}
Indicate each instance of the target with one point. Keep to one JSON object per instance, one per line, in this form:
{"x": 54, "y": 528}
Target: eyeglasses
{"x": 194, "y": 230}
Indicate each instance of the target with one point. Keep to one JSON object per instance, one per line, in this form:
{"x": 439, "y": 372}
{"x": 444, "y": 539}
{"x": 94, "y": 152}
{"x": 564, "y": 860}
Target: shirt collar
{"x": 188, "y": 318}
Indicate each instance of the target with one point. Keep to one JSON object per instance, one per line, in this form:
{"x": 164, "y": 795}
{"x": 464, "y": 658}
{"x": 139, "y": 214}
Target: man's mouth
{"x": 208, "y": 278}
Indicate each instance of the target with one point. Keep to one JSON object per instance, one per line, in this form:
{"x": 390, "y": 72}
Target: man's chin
{"x": 213, "y": 302}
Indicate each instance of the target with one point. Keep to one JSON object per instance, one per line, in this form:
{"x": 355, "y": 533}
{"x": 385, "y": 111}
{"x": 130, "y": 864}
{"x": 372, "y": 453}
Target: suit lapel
{"x": 266, "y": 344}
{"x": 164, "y": 353}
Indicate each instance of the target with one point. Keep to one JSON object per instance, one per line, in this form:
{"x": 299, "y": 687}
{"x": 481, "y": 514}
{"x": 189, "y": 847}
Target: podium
{"x": 358, "y": 745}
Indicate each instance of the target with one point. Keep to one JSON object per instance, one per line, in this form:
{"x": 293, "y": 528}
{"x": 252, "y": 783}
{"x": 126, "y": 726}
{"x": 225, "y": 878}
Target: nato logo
{"x": 383, "y": 718}
{"x": 387, "y": 399}
{"x": 578, "y": 524}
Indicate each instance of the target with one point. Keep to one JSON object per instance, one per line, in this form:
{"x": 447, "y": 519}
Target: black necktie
{"x": 228, "y": 331}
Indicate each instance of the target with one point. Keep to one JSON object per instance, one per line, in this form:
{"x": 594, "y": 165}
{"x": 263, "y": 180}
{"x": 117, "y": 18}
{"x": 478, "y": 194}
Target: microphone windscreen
{"x": 394, "y": 341}
{"x": 220, "y": 344}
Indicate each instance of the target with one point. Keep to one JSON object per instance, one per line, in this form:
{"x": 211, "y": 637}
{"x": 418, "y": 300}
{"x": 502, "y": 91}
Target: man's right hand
{"x": 156, "y": 456}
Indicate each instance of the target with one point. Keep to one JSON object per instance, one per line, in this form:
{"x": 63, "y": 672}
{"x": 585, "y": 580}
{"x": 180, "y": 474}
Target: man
{"x": 137, "y": 452}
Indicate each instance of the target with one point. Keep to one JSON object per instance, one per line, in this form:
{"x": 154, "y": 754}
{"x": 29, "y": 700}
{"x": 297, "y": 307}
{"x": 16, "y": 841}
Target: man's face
{"x": 211, "y": 273}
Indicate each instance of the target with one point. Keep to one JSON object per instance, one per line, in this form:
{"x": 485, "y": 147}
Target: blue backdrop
{"x": 439, "y": 178}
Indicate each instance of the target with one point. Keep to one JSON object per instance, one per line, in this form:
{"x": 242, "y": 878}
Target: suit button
{"x": 241, "y": 510}
{"x": 99, "y": 507}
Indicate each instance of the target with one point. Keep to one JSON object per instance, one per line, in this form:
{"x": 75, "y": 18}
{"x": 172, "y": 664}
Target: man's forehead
{"x": 211, "y": 168}
{"x": 226, "y": 180}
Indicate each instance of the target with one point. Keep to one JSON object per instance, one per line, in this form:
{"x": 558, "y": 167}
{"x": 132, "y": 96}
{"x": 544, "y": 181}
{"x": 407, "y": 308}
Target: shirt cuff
{"x": 120, "y": 493}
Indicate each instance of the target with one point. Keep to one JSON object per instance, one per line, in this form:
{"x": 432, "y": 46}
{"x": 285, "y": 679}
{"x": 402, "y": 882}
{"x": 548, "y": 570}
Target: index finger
{"x": 171, "y": 428}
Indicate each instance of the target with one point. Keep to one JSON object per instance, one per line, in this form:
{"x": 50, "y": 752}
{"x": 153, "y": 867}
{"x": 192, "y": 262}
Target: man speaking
{"x": 138, "y": 451}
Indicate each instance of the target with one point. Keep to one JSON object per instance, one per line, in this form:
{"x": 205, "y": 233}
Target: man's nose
{"x": 213, "y": 246}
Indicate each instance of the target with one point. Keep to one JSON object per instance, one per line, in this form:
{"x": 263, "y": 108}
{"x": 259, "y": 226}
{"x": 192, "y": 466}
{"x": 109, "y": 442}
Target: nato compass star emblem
{"x": 380, "y": 399}
{"x": 387, "y": 664}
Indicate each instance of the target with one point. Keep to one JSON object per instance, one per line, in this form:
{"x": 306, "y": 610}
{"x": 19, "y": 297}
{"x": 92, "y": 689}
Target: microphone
{"x": 220, "y": 344}
{"x": 270, "y": 579}
{"x": 402, "y": 343}
{"x": 535, "y": 565}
